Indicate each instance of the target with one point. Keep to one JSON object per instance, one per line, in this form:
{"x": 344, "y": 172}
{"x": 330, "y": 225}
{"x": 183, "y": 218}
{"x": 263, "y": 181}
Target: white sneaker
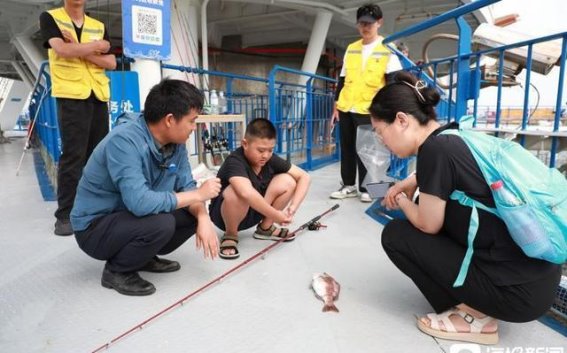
{"x": 344, "y": 192}
{"x": 364, "y": 197}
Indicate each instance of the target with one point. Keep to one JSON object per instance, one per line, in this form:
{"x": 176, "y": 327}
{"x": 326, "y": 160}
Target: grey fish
{"x": 326, "y": 289}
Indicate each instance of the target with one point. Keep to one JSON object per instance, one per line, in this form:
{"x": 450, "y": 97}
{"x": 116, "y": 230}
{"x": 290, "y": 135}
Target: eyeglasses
{"x": 380, "y": 133}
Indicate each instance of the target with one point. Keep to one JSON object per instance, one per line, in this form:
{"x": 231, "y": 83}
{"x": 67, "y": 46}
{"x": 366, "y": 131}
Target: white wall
{"x": 13, "y": 104}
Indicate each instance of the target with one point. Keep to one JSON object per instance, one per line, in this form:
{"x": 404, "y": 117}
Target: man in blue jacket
{"x": 137, "y": 198}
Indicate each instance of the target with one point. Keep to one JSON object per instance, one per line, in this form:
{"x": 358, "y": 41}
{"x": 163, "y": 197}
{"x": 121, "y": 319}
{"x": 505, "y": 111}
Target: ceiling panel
{"x": 258, "y": 22}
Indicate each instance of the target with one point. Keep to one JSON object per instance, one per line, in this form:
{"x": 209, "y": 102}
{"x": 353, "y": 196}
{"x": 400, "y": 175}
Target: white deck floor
{"x": 51, "y": 299}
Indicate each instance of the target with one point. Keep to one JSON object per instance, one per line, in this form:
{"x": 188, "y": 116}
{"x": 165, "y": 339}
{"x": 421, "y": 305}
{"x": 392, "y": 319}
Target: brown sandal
{"x": 268, "y": 234}
{"x": 232, "y": 242}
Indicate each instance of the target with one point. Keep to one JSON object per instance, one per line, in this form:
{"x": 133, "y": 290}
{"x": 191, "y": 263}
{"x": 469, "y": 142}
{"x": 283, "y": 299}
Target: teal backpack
{"x": 539, "y": 223}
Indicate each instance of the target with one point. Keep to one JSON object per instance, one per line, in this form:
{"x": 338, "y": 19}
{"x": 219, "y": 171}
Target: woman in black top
{"x": 502, "y": 283}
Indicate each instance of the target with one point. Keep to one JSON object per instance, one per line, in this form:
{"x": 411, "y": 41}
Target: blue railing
{"x": 449, "y": 15}
{"x": 299, "y": 112}
{"x": 249, "y": 102}
{"x": 302, "y": 114}
{"x": 469, "y": 81}
{"x": 463, "y": 48}
{"x": 44, "y": 109}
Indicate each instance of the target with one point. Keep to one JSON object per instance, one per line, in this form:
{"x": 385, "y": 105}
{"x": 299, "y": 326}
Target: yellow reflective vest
{"x": 75, "y": 78}
{"x": 361, "y": 85}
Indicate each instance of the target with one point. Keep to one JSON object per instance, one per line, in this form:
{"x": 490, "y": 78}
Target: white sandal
{"x": 450, "y": 332}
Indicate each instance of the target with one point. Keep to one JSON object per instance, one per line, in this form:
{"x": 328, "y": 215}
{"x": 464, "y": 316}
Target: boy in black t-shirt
{"x": 256, "y": 188}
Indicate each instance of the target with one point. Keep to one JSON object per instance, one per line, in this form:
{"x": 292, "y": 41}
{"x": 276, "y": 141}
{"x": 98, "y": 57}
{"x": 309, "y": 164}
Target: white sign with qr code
{"x": 147, "y": 25}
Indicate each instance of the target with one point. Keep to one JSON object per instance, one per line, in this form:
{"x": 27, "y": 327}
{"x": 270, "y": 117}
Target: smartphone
{"x": 378, "y": 190}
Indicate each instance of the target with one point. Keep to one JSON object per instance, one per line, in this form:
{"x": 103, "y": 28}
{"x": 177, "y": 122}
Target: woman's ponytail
{"x": 406, "y": 94}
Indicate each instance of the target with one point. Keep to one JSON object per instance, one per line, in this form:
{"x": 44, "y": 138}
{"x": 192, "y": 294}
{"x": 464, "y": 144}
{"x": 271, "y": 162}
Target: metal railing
{"x": 460, "y": 61}
{"x": 290, "y": 105}
{"x": 465, "y": 82}
{"x": 43, "y": 108}
{"x": 300, "y": 112}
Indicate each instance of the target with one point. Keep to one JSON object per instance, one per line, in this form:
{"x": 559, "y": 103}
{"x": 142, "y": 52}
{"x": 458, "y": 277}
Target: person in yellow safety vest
{"x": 366, "y": 64}
{"x": 77, "y": 49}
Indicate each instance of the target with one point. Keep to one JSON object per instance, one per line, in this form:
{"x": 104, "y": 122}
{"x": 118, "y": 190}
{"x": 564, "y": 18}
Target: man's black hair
{"x": 172, "y": 97}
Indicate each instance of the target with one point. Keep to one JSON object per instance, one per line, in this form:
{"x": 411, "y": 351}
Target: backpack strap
{"x": 466, "y": 122}
{"x": 464, "y": 200}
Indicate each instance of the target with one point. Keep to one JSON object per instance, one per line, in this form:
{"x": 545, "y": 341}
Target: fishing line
{"x": 216, "y": 280}
{"x": 31, "y": 128}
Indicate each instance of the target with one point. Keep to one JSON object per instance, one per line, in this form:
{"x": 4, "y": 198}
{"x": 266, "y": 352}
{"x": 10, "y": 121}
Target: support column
{"x": 316, "y": 43}
{"x": 24, "y": 73}
{"x": 14, "y": 96}
{"x": 205, "y": 42}
{"x": 184, "y": 39}
{"x": 149, "y": 74}
{"x": 310, "y": 63}
{"x": 31, "y": 54}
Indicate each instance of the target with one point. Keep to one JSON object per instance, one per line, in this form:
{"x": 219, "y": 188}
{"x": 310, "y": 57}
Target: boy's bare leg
{"x": 279, "y": 193}
{"x": 233, "y": 211}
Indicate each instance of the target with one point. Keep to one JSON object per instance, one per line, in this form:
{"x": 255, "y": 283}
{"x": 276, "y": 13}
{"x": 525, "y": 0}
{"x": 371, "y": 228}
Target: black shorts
{"x": 251, "y": 219}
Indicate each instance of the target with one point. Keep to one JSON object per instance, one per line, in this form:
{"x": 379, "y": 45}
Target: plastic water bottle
{"x": 504, "y": 194}
{"x": 522, "y": 223}
{"x": 214, "y": 102}
{"x": 206, "y": 102}
{"x": 206, "y": 96}
{"x": 222, "y": 103}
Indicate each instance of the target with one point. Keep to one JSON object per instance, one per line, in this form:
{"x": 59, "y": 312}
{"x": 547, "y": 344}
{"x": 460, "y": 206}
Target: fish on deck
{"x": 326, "y": 289}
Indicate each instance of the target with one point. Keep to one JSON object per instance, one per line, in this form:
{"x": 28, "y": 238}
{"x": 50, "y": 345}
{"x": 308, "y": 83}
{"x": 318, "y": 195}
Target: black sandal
{"x": 231, "y": 246}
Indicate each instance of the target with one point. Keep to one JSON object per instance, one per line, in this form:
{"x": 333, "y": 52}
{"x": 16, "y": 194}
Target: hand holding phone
{"x": 378, "y": 190}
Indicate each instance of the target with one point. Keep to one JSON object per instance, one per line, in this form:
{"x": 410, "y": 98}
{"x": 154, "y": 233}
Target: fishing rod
{"x": 223, "y": 143}
{"x": 208, "y": 145}
{"x": 217, "y": 279}
{"x": 215, "y": 143}
{"x": 27, "y": 145}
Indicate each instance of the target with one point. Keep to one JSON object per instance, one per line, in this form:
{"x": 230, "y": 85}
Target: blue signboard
{"x": 124, "y": 93}
{"x": 146, "y": 29}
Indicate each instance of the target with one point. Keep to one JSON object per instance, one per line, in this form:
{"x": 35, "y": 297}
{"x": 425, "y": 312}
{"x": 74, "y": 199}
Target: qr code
{"x": 147, "y": 23}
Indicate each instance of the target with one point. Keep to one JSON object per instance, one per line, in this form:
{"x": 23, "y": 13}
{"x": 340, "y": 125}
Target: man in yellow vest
{"x": 366, "y": 64}
{"x": 77, "y": 45}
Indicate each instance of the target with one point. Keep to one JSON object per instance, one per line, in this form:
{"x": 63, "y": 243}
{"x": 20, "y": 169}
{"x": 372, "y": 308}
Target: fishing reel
{"x": 207, "y": 145}
{"x": 315, "y": 225}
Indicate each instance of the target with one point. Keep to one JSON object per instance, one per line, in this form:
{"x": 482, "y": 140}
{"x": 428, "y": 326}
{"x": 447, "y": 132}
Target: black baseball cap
{"x": 368, "y": 13}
